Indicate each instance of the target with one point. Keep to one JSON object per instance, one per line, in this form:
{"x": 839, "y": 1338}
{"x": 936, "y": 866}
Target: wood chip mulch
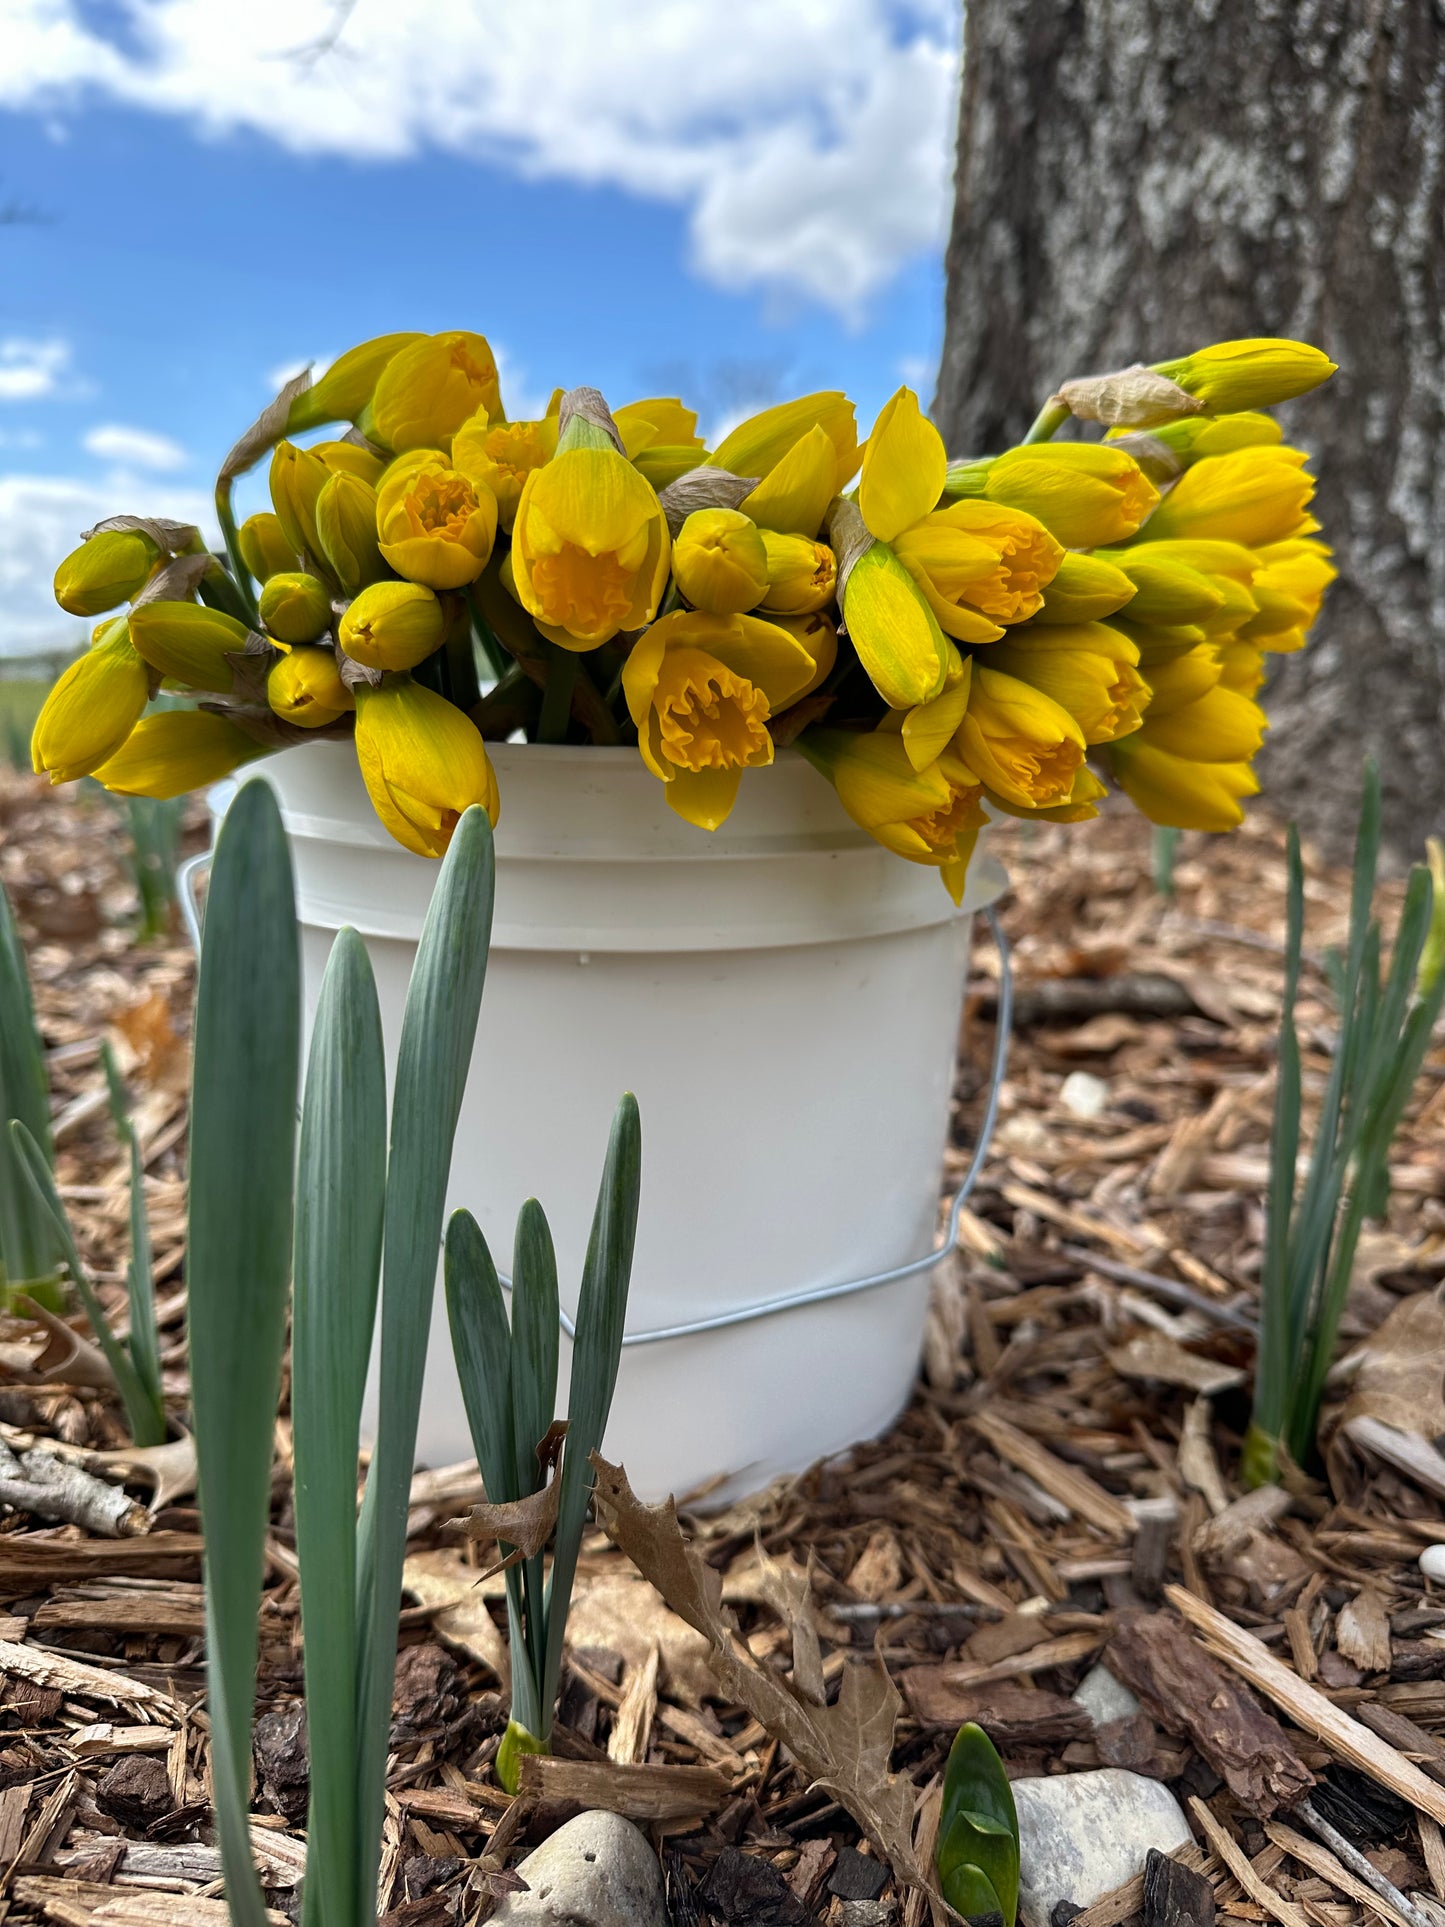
{"x": 1062, "y": 1489}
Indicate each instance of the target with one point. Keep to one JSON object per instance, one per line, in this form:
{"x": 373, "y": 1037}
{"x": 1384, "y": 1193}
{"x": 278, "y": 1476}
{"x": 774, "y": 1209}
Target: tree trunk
{"x": 1139, "y": 177}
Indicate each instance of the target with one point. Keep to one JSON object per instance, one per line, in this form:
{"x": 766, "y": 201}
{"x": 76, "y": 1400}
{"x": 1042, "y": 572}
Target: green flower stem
{"x": 1048, "y": 422}
{"x": 226, "y": 516}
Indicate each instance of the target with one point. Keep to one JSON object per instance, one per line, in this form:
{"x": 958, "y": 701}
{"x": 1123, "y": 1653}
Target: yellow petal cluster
{"x": 937, "y": 637}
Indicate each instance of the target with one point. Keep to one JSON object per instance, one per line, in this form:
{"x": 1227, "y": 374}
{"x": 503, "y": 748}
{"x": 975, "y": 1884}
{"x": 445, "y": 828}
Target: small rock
{"x": 1083, "y": 1834}
{"x": 136, "y": 1790}
{"x": 865, "y": 1913}
{"x": 1432, "y": 1562}
{"x": 1084, "y": 1094}
{"x": 1105, "y": 1698}
{"x": 597, "y": 1871}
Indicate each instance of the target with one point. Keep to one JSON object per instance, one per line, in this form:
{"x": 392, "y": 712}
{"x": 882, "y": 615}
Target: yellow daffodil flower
{"x": 305, "y": 688}
{"x": 700, "y": 689}
{"x": 346, "y": 388}
{"x": 350, "y": 458}
{"x": 191, "y": 643}
{"x": 346, "y": 531}
{"x": 1089, "y": 669}
{"x": 1086, "y": 494}
{"x": 1291, "y": 577}
{"x": 758, "y": 445}
{"x": 1179, "y": 792}
{"x": 1259, "y": 373}
{"x": 176, "y": 751}
{"x": 501, "y": 455}
{"x": 1255, "y": 496}
{"x": 931, "y": 815}
{"x": 818, "y": 633}
{"x": 719, "y": 562}
{"x": 429, "y": 388}
{"x": 105, "y": 571}
{"x": 1192, "y": 713}
{"x": 297, "y": 477}
{"x": 392, "y": 625}
{"x": 423, "y": 761}
{"x": 1024, "y": 747}
{"x": 436, "y": 526}
{"x": 265, "y": 549}
{"x": 590, "y": 548}
{"x": 1085, "y": 588}
{"x": 980, "y": 566}
{"x": 92, "y": 708}
{"x": 660, "y": 437}
{"x": 295, "y": 608}
{"x": 802, "y": 575}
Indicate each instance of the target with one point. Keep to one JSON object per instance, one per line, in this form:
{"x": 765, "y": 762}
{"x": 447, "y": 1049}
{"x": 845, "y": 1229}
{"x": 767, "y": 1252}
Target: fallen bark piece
{"x": 1309, "y": 1708}
{"x": 637, "y": 1792}
{"x": 1010, "y": 1715}
{"x": 78, "y": 1903}
{"x": 745, "y": 1890}
{"x": 32, "y": 1562}
{"x": 1083, "y": 1496}
{"x": 1362, "y": 1631}
{"x": 68, "y": 1676}
{"x": 1188, "y": 1693}
{"x": 1128, "y": 1899}
{"x": 1174, "y": 1895}
{"x": 1228, "y": 1850}
{"x": 49, "y": 1487}
{"x": 1081, "y": 1835}
{"x": 1066, "y": 1650}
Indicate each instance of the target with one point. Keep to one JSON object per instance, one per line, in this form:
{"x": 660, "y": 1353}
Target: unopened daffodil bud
{"x": 105, "y": 571}
{"x": 392, "y": 625}
{"x": 700, "y": 689}
{"x": 931, "y": 816}
{"x": 905, "y": 653}
{"x": 1167, "y": 588}
{"x": 346, "y": 388}
{"x": 719, "y": 562}
{"x": 758, "y": 445}
{"x": 350, "y": 458}
{"x": 265, "y": 549}
{"x": 802, "y": 574}
{"x": 1023, "y": 746}
{"x": 429, "y": 388}
{"x": 818, "y": 633}
{"x": 1084, "y": 588}
{"x": 346, "y": 531}
{"x": 436, "y": 525}
{"x": 175, "y": 751}
{"x": 1255, "y": 496}
{"x": 295, "y": 608}
{"x": 590, "y": 547}
{"x": 423, "y": 761}
{"x": 1088, "y": 668}
{"x": 297, "y": 477}
{"x": 501, "y": 455}
{"x": 189, "y": 642}
{"x": 92, "y": 708}
{"x": 660, "y": 438}
{"x": 1258, "y": 373}
{"x": 1299, "y": 570}
{"x": 1086, "y": 494}
{"x": 1178, "y": 791}
{"x": 793, "y": 496}
{"x": 305, "y": 688}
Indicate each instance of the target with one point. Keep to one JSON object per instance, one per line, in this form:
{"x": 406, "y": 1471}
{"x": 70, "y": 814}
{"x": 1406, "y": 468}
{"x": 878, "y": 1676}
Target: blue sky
{"x": 652, "y": 196}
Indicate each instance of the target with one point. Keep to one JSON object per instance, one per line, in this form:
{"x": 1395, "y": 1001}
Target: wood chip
{"x": 44, "y": 1668}
{"x": 639, "y": 1792}
{"x": 1315, "y": 1855}
{"x": 1111, "y": 1908}
{"x": 1238, "y": 1863}
{"x": 1362, "y": 1631}
{"x": 1308, "y": 1707}
{"x": 1083, "y": 1496}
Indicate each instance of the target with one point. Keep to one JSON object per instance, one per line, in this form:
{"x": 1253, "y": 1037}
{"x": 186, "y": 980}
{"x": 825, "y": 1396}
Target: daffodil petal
{"x": 903, "y": 470}
{"x": 704, "y": 796}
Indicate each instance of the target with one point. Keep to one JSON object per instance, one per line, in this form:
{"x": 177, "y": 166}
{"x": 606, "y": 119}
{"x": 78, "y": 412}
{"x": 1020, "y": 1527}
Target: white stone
{"x": 1432, "y": 1562}
{"x": 597, "y": 1871}
{"x": 1084, "y": 1094}
{"x": 1083, "y": 1834}
{"x": 1105, "y": 1698}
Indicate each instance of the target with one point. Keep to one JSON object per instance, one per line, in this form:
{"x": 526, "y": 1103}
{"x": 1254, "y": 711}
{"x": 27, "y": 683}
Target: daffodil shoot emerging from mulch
{"x": 935, "y": 636}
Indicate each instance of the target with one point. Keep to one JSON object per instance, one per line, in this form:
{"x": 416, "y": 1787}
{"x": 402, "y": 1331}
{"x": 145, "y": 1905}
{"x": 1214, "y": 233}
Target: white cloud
{"x": 134, "y": 447}
{"x": 810, "y": 140}
{"x": 42, "y": 518}
{"x": 30, "y": 370}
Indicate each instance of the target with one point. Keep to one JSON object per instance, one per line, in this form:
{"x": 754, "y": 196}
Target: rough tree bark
{"x": 1137, "y": 177}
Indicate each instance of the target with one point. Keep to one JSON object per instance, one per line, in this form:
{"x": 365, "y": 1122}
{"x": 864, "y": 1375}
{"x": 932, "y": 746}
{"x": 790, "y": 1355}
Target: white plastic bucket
{"x": 783, "y": 996}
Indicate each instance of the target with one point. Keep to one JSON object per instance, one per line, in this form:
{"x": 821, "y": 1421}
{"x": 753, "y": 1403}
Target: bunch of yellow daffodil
{"x": 934, "y": 637}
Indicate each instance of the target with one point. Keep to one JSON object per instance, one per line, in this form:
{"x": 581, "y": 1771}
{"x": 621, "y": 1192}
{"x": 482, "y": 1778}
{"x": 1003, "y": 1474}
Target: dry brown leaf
{"x": 844, "y": 1748}
{"x": 787, "y": 1588}
{"x": 622, "y": 1613}
{"x": 1400, "y": 1382}
{"x": 457, "y": 1598}
{"x": 1166, "y": 1362}
{"x": 153, "y": 1050}
{"x": 522, "y": 1525}
{"x": 66, "y": 1358}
